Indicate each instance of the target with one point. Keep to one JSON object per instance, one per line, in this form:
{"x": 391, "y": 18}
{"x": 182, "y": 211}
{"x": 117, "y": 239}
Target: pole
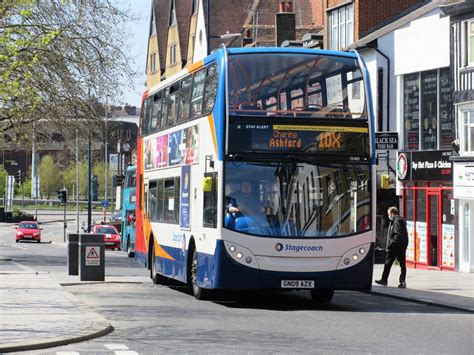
{"x": 77, "y": 181}
{"x": 89, "y": 186}
{"x": 208, "y": 27}
{"x": 65, "y": 225}
{"x": 106, "y": 161}
{"x": 33, "y": 172}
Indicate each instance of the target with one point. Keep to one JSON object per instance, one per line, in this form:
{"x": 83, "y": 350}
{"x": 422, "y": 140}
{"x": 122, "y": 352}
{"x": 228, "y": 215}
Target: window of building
{"x": 427, "y": 110}
{"x": 173, "y": 58}
{"x": 467, "y": 43}
{"x": 467, "y": 131}
{"x": 153, "y": 63}
{"x": 466, "y": 233}
{"x": 341, "y": 27}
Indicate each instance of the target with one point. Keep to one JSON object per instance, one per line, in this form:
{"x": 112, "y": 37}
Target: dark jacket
{"x": 398, "y": 236}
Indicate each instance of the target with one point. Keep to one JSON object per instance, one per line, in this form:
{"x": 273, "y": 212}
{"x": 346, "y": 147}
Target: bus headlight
{"x": 353, "y": 256}
{"x": 241, "y": 254}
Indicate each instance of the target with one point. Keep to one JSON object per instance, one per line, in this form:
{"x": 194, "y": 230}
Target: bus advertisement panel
{"x": 256, "y": 171}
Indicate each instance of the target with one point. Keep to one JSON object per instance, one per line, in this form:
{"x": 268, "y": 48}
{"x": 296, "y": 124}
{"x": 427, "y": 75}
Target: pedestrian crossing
{"x": 118, "y": 349}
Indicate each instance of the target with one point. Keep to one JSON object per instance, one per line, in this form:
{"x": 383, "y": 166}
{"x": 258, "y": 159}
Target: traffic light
{"x": 118, "y": 180}
{"x": 62, "y": 196}
{"x": 18, "y": 177}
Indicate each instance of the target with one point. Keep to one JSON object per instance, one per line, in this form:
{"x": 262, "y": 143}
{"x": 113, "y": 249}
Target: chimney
{"x": 285, "y": 23}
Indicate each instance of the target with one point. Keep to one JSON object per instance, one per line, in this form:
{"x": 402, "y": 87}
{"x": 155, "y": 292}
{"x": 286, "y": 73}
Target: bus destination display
{"x": 250, "y": 137}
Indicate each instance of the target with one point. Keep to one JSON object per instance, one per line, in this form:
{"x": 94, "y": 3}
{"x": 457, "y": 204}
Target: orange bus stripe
{"x": 195, "y": 66}
{"x": 210, "y": 118}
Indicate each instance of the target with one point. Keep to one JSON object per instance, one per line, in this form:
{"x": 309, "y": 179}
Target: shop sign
{"x": 431, "y": 166}
{"x": 463, "y": 180}
{"x": 403, "y": 167}
{"x": 386, "y": 140}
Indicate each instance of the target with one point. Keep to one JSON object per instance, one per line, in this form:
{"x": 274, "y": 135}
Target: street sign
{"x": 386, "y": 140}
{"x": 92, "y": 256}
{"x": 105, "y": 203}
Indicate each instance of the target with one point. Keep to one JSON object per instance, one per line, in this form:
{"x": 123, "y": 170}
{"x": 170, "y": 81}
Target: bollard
{"x": 73, "y": 254}
{"x": 92, "y": 257}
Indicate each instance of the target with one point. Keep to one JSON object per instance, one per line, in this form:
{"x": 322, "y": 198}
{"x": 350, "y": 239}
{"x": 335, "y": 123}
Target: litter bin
{"x": 91, "y": 257}
{"x": 73, "y": 254}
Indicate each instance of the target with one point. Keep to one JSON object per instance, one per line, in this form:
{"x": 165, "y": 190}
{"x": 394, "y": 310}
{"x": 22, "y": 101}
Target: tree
{"x": 3, "y": 180}
{"x": 59, "y": 59}
{"x": 50, "y": 177}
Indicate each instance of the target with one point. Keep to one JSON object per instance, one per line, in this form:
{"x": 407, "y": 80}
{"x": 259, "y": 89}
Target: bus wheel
{"x": 198, "y": 292}
{"x": 130, "y": 253}
{"x": 157, "y": 278}
{"x": 322, "y": 295}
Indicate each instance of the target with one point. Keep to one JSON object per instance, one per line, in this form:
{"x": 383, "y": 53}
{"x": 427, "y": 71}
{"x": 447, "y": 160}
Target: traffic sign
{"x": 105, "y": 203}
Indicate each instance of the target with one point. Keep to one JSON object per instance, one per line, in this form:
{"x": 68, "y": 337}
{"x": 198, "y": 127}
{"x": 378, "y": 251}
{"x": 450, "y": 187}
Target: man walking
{"x": 397, "y": 244}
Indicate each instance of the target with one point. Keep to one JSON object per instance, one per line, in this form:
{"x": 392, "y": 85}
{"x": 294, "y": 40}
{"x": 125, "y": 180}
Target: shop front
{"x": 464, "y": 195}
{"x": 428, "y": 207}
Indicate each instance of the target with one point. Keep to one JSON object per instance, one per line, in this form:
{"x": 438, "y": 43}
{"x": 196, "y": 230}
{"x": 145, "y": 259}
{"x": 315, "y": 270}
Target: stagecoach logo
{"x": 402, "y": 166}
{"x": 298, "y": 248}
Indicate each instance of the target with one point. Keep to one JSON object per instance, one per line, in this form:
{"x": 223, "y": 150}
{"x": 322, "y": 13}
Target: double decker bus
{"x": 127, "y": 232}
{"x": 256, "y": 171}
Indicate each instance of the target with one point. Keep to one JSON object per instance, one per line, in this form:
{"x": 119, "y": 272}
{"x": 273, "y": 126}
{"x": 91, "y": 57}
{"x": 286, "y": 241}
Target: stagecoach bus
{"x": 256, "y": 171}
{"x": 127, "y": 233}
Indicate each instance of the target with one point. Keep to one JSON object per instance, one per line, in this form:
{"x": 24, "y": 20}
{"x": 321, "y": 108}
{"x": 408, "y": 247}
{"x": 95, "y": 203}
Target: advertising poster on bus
{"x": 162, "y": 151}
{"x": 150, "y": 154}
{"x": 448, "y": 245}
{"x": 184, "y": 197}
{"x": 175, "y": 145}
{"x": 191, "y": 139}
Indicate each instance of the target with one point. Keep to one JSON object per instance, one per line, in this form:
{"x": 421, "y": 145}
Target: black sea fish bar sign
{"x": 386, "y": 140}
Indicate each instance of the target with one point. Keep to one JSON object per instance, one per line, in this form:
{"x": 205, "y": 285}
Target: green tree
{"x": 3, "y": 180}
{"x": 50, "y": 177}
{"x": 70, "y": 179}
{"x": 58, "y": 58}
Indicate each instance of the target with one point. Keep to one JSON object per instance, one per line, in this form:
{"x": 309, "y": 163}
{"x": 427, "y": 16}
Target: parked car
{"x": 28, "y": 230}
{"x": 111, "y": 235}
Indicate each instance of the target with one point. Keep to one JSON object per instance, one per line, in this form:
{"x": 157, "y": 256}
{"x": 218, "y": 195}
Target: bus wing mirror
{"x": 206, "y": 184}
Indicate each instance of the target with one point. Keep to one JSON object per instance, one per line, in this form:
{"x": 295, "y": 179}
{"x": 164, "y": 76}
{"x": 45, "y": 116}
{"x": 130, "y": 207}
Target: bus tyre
{"x": 198, "y": 292}
{"x": 130, "y": 253}
{"x": 322, "y": 295}
{"x": 157, "y": 278}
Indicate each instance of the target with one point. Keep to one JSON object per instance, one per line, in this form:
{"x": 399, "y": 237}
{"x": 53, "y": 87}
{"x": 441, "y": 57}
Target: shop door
{"x": 434, "y": 226}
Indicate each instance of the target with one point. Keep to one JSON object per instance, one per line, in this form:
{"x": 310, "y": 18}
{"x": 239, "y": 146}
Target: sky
{"x": 138, "y": 43}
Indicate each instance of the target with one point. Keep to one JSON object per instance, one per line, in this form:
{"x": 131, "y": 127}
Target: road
{"x": 151, "y": 319}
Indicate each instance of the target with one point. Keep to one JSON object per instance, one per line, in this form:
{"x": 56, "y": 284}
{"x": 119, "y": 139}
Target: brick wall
{"x": 372, "y": 14}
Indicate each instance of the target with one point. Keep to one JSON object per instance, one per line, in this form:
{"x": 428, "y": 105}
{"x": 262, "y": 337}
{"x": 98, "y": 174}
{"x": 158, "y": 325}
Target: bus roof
{"x": 246, "y": 50}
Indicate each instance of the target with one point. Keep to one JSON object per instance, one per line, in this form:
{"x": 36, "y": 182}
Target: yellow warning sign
{"x": 92, "y": 256}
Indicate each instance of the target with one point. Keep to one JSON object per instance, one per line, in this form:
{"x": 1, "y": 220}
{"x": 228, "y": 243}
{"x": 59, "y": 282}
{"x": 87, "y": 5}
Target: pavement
{"x": 37, "y": 311}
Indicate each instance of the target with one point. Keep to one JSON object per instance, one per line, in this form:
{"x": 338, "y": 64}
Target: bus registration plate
{"x": 297, "y": 284}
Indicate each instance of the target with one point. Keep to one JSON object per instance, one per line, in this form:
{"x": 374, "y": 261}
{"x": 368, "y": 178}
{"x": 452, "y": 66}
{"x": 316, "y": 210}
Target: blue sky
{"x": 138, "y": 43}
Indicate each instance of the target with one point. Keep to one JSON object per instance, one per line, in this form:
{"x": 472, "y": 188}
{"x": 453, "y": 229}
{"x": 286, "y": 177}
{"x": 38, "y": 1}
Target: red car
{"x": 28, "y": 230}
{"x": 111, "y": 235}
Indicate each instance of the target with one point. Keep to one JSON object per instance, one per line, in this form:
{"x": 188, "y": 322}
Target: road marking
{"x": 116, "y": 346}
{"x": 21, "y": 266}
{"x": 67, "y": 353}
